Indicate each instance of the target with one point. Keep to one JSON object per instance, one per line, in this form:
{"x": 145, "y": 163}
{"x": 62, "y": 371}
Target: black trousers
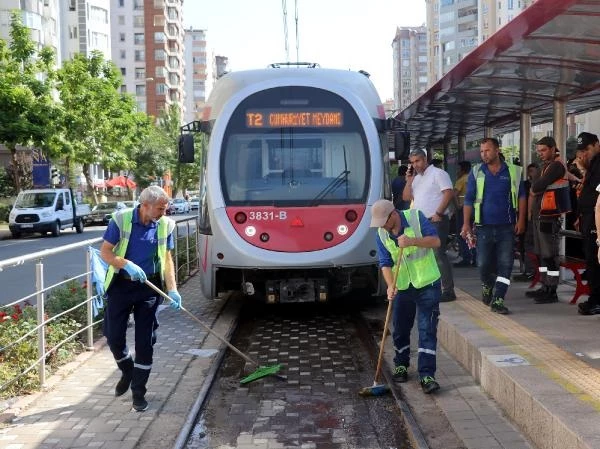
{"x": 590, "y": 248}
{"x": 125, "y": 297}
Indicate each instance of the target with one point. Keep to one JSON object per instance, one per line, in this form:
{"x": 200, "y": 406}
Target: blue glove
{"x": 135, "y": 272}
{"x": 175, "y": 299}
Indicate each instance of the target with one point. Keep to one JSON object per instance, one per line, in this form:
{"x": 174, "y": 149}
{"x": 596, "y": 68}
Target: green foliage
{"x": 26, "y": 83}
{"x": 19, "y": 320}
{"x": 7, "y": 187}
{"x": 97, "y": 124}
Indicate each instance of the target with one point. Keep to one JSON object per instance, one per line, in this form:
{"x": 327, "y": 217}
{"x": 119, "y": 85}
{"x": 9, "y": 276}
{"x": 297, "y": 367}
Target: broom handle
{"x": 205, "y": 326}
{"x": 387, "y": 320}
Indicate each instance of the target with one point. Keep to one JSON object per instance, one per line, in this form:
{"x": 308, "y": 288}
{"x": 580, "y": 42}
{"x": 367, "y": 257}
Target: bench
{"x": 571, "y": 263}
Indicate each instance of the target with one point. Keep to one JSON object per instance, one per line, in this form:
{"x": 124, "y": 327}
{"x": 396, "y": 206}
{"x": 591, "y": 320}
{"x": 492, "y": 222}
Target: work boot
{"x": 548, "y": 298}
{"x": 486, "y": 294}
{"x": 400, "y": 374}
{"x": 139, "y": 404}
{"x": 138, "y": 388}
{"x": 498, "y": 306}
{"x": 539, "y": 293}
{"x": 126, "y": 367}
{"x": 429, "y": 385}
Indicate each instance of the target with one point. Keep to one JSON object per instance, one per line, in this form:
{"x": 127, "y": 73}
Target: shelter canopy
{"x": 551, "y": 51}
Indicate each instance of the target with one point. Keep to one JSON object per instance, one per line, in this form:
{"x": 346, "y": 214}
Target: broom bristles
{"x": 375, "y": 390}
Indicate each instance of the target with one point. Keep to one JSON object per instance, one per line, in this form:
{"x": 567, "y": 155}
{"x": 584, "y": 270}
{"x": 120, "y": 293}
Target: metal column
{"x": 488, "y": 131}
{"x": 525, "y": 141}
{"x": 560, "y": 127}
{"x": 462, "y": 147}
{"x": 559, "y": 116}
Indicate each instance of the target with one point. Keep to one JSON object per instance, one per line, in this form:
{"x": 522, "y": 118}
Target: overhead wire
{"x": 285, "y": 30}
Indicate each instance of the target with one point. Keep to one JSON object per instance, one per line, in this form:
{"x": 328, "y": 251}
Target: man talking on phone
{"x": 430, "y": 190}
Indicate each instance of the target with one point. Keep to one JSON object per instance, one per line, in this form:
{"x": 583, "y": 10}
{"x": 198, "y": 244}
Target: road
{"x": 19, "y": 282}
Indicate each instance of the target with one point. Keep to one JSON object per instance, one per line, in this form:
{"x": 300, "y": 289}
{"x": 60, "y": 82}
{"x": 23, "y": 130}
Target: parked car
{"x": 101, "y": 213}
{"x": 179, "y": 206}
{"x": 131, "y": 204}
{"x": 194, "y": 203}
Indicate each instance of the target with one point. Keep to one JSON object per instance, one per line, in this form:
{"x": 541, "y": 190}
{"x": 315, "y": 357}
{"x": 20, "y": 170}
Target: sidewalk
{"x": 4, "y": 232}
{"x": 540, "y": 363}
{"x": 78, "y": 408}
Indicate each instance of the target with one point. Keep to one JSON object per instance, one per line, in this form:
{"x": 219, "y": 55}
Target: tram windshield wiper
{"x": 331, "y": 187}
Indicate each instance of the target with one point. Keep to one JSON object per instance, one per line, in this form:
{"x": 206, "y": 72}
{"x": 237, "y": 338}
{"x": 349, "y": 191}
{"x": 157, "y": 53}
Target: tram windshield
{"x": 294, "y": 146}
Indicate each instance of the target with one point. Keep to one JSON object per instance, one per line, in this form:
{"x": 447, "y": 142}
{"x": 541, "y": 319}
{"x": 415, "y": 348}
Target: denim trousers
{"x": 443, "y": 227}
{"x": 424, "y": 303}
{"x": 495, "y": 256}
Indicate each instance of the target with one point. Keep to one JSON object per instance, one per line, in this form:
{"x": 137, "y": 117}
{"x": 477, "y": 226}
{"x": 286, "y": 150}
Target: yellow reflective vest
{"x": 514, "y": 172}
{"x": 123, "y": 220}
{"x": 418, "y": 265}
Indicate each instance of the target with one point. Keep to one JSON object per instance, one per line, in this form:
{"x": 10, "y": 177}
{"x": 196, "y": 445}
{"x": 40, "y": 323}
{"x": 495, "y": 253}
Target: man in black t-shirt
{"x": 587, "y": 202}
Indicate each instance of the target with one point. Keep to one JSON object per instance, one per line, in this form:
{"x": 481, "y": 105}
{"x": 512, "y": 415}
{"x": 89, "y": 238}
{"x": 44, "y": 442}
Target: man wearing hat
{"x": 550, "y": 198}
{"x": 407, "y": 238}
{"x": 587, "y": 202}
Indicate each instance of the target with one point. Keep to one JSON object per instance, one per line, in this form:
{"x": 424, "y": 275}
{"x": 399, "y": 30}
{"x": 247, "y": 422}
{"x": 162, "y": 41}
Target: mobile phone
{"x": 410, "y": 170}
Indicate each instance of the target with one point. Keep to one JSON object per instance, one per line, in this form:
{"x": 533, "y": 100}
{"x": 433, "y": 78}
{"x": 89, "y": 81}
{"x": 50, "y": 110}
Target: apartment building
{"x": 410, "y": 65}
{"x": 195, "y": 73}
{"x": 85, "y": 27}
{"x": 147, "y": 46}
{"x": 42, "y": 17}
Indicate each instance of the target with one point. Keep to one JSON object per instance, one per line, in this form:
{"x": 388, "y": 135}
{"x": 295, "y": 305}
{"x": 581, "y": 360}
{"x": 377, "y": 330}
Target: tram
{"x": 294, "y": 160}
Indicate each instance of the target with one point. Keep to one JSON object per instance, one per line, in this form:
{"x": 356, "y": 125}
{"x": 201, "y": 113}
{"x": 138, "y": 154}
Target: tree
{"x": 98, "y": 125}
{"x": 182, "y": 175}
{"x": 26, "y": 82}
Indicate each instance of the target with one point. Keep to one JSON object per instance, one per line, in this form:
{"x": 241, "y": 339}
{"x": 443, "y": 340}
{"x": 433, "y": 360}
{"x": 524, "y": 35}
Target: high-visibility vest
{"x": 556, "y": 199}
{"x": 123, "y": 220}
{"x": 514, "y": 172}
{"x": 418, "y": 265}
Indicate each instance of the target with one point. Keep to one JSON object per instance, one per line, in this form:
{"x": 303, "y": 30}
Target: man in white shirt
{"x": 430, "y": 190}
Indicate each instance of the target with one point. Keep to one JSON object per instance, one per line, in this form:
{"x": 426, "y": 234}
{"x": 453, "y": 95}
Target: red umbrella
{"x": 121, "y": 181}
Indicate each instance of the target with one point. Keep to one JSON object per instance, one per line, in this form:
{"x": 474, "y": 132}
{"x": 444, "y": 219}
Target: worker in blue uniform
{"x": 137, "y": 247}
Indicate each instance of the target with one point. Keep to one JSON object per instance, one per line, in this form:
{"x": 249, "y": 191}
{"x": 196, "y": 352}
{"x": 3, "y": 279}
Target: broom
{"x": 381, "y": 389}
{"x": 260, "y": 371}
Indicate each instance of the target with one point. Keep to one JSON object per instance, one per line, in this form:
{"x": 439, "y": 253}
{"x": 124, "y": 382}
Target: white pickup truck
{"x": 46, "y": 210}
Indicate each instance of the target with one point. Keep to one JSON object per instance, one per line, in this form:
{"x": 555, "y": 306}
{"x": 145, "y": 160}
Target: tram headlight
{"x": 250, "y": 231}
{"x": 342, "y": 229}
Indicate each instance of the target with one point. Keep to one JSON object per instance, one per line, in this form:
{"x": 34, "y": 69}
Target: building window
{"x": 73, "y": 32}
{"x": 121, "y": 3}
{"x": 121, "y": 20}
{"x": 138, "y": 38}
{"x": 123, "y": 71}
{"x": 123, "y": 88}
{"x": 122, "y": 37}
{"x": 138, "y": 21}
{"x": 123, "y": 54}
{"x": 159, "y": 37}
{"x": 140, "y": 73}
{"x": 160, "y": 55}
{"x": 139, "y": 55}
{"x": 140, "y": 89}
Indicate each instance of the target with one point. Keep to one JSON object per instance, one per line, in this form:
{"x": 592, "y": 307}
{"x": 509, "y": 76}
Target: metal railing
{"x": 185, "y": 257}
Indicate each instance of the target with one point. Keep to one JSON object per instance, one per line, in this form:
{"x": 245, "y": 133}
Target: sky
{"x": 339, "y": 34}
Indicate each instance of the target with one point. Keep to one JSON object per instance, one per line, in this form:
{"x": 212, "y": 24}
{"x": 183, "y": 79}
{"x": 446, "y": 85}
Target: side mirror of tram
{"x": 399, "y": 144}
{"x": 186, "y": 148}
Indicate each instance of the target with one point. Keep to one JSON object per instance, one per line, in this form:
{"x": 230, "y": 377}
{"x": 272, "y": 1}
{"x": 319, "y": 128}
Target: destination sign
{"x": 294, "y": 119}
